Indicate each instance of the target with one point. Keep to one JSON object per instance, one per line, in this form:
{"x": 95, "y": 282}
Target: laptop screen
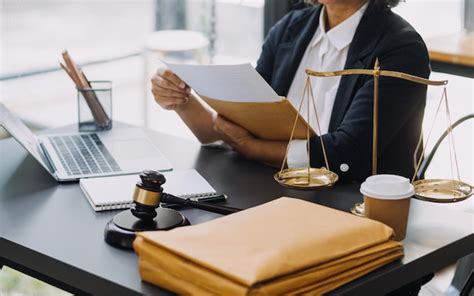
{"x": 23, "y": 135}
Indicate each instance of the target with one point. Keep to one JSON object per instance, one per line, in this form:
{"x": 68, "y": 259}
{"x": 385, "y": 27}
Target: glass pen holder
{"x": 94, "y": 106}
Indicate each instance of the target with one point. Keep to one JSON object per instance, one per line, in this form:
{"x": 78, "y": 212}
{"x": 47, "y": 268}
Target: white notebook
{"x": 112, "y": 193}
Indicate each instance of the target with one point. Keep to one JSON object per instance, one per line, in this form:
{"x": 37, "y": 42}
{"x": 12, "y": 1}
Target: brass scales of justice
{"x": 308, "y": 178}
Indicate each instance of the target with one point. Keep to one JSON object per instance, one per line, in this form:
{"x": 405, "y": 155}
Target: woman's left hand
{"x": 266, "y": 151}
{"x": 236, "y": 136}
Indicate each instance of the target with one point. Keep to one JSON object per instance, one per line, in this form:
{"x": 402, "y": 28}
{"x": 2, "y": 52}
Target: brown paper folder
{"x": 266, "y": 120}
{"x": 286, "y": 246}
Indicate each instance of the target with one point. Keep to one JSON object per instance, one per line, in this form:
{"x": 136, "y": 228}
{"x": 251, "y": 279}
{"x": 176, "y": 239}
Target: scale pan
{"x": 297, "y": 178}
{"x": 358, "y": 209}
{"x": 442, "y": 190}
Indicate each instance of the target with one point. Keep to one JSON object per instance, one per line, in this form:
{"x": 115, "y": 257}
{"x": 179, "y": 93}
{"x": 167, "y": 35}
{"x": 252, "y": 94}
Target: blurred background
{"x": 122, "y": 41}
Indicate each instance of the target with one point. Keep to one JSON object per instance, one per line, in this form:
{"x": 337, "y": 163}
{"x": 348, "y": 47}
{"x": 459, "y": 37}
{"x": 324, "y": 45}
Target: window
{"x": 438, "y": 17}
{"x": 33, "y": 34}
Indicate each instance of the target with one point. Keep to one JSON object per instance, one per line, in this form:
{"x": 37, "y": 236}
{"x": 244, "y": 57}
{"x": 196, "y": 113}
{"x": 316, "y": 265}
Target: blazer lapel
{"x": 363, "y": 44}
{"x": 289, "y": 53}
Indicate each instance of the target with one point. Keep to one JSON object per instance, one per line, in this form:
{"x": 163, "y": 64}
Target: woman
{"x": 331, "y": 35}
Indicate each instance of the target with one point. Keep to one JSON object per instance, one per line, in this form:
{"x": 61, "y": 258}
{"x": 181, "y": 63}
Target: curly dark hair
{"x": 380, "y": 5}
{"x": 374, "y": 5}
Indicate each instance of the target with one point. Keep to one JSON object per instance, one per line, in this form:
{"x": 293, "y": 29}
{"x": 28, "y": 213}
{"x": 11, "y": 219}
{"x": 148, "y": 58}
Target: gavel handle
{"x": 223, "y": 210}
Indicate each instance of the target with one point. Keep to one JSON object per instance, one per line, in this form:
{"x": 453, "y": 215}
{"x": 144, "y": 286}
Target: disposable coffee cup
{"x": 387, "y": 199}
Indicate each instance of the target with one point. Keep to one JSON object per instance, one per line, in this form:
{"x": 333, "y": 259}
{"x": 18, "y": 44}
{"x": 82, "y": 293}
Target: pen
{"x": 204, "y": 199}
{"x": 210, "y": 198}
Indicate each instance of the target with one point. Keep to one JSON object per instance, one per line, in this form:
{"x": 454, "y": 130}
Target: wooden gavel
{"x": 149, "y": 194}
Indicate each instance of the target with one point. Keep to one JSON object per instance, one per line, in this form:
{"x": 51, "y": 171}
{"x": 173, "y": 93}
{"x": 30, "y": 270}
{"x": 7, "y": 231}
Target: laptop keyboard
{"x": 84, "y": 154}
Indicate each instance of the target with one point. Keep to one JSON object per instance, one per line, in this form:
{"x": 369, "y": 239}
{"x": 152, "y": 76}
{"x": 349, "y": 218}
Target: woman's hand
{"x": 266, "y": 151}
{"x": 236, "y": 136}
{"x": 169, "y": 90}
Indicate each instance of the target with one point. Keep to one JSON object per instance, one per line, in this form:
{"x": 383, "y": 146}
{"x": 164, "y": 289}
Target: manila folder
{"x": 266, "y": 120}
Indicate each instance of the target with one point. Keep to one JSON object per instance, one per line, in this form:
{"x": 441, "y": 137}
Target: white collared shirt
{"x": 327, "y": 51}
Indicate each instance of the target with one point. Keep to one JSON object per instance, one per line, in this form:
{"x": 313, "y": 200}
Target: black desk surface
{"x": 50, "y": 231}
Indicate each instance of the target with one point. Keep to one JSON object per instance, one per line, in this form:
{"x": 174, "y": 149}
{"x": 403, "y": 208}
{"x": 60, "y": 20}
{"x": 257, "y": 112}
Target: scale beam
{"x": 436, "y": 190}
{"x": 387, "y": 73}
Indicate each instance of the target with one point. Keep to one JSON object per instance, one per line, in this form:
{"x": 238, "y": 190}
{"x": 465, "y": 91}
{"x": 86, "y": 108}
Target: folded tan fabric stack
{"x": 284, "y": 246}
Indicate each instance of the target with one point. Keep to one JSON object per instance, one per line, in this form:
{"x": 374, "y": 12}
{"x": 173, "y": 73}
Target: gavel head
{"x": 147, "y": 195}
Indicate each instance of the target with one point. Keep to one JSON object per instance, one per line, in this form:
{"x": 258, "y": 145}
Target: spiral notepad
{"x": 112, "y": 193}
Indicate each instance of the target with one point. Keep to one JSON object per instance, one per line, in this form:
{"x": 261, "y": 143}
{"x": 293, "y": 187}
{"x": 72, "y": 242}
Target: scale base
{"x": 120, "y": 231}
{"x": 358, "y": 209}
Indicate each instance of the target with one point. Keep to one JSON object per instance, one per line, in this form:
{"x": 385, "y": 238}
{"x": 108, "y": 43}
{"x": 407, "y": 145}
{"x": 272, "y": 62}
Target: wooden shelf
{"x": 457, "y": 49}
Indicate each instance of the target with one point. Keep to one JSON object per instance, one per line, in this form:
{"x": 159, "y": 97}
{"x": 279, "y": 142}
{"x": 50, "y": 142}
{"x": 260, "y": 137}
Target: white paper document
{"x": 235, "y": 83}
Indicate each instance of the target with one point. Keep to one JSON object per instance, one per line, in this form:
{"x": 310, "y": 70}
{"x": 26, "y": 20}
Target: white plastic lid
{"x": 387, "y": 187}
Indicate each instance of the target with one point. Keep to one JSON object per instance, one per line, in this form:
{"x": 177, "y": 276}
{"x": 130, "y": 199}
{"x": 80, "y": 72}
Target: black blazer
{"x": 349, "y": 141}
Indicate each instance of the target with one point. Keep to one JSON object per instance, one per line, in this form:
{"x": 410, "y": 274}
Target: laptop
{"x": 72, "y": 156}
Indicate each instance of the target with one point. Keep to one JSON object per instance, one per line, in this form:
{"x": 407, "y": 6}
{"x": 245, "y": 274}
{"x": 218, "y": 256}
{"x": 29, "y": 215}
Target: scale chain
{"x": 452, "y": 147}
{"x": 293, "y": 129}
{"x": 319, "y": 127}
{"x": 309, "y": 89}
{"x": 427, "y": 138}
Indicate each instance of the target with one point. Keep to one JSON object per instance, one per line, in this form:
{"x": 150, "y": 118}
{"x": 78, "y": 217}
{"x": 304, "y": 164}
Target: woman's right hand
{"x": 169, "y": 90}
